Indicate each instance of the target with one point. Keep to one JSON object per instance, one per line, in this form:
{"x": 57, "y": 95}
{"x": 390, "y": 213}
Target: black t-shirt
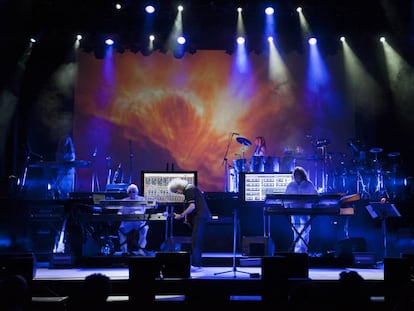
{"x": 194, "y": 195}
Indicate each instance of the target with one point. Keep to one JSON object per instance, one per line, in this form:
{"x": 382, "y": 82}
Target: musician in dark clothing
{"x": 196, "y": 214}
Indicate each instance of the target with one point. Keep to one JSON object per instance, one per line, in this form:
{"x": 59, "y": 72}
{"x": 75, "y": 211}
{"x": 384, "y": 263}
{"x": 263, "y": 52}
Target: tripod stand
{"x": 234, "y": 268}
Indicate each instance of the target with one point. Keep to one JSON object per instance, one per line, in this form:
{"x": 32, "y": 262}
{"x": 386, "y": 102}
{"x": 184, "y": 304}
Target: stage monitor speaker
{"x": 257, "y": 246}
{"x": 397, "y": 279}
{"x": 297, "y": 264}
{"x": 174, "y": 264}
{"x": 346, "y": 249}
{"x": 21, "y": 263}
{"x": 143, "y": 272}
{"x": 397, "y": 270}
{"x": 275, "y": 277}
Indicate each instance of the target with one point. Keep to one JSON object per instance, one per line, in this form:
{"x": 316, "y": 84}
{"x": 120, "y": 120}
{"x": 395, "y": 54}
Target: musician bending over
{"x": 133, "y": 228}
{"x": 300, "y": 185}
{"x": 196, "y": 214}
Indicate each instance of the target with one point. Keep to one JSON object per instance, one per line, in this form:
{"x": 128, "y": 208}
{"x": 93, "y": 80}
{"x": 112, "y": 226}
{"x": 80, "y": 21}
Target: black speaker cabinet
{"x": 287, "y": 265}
{"x": 397, "y": 279}
{"x": 174, "y": 264}
{"x": 257, "y": 246}
{"x": 143, "y": 272}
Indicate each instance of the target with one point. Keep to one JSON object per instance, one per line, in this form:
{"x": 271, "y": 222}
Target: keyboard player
{"x": 137, "y": 228}
{"x": 300, "y": 223}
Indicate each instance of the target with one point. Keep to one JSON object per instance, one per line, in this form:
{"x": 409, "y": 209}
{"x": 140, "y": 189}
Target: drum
{"x": 257, "y": 164}
{"x": 240, "y": 165}
{"x": 288, "y": 164}
{"x": 233, "y": 181}
{"x": 271, "y": 165}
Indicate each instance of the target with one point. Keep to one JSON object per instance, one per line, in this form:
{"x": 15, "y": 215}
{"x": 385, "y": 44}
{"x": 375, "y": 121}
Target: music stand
{"x": 383, "y": 211}
{"x": 234, "y": 267}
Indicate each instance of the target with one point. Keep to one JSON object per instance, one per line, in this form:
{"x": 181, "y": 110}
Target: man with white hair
{"x": 127, "y": 228}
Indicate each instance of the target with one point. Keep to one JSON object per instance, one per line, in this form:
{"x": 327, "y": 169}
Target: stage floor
{"x": 246, "y": 270}
{"x": 207, "y": 272}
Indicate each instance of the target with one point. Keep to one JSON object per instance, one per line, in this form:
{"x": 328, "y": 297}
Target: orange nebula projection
{"x": 150, "y": 112}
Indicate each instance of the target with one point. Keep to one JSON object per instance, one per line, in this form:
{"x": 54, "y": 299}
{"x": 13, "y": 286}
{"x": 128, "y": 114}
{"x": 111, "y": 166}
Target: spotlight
{"x": 269, "y": 11}
{"x": 109, "y": 41}
{"x": 149, "y": 9}
{"x": 181, "y": 40}
{"x": 241, "y": 40}
{"x": 312, "y": 41}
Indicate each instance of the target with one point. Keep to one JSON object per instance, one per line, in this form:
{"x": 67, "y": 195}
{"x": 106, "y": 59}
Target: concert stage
{"x": 57, "y": 276}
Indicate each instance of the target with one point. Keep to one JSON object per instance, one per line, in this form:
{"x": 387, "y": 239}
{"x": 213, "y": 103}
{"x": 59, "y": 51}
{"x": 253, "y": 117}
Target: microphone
{"x": 235, "y": 133}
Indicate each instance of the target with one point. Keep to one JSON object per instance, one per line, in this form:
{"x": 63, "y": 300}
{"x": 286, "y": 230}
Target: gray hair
{"x": 177, "y": 183}
{"x": 132, "y": 187}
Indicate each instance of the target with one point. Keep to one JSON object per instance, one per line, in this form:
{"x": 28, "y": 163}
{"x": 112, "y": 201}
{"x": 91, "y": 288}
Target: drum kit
{"x": 370, "y": 176}
{"x": 367, "y": 175}
{"x": 257, "y": 164}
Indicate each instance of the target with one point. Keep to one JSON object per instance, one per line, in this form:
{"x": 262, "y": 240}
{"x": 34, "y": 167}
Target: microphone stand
{"x": 26, "y": 166}
{"x": 234, "y": 267}
{"x": 94, "y": 175}
{"x": 225, "y": 164}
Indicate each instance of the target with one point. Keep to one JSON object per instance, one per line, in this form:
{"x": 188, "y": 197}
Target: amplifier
{"x": 257, "y": 246}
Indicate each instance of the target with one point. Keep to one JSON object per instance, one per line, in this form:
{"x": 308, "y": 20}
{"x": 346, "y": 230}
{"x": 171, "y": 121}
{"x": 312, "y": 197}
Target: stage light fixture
{"x": 269, "y": 11}
{"x": 181, "y": 40}
{"x": 109, "y": 41}
{"x": 240, "y": 40}
{"x": 149, "y": 9}
{"x": 312, "y": 41}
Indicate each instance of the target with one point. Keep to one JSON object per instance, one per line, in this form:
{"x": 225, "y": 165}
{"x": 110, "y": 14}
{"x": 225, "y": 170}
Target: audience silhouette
{"x": 15, "y": 293}
{"x": 93, "y": 293}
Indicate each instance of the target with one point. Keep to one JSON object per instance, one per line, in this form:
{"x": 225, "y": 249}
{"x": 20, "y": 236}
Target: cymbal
{"x": 244, "y": 141}
{"x": 376, "y": 150}
{"x": 394, "y": 154}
